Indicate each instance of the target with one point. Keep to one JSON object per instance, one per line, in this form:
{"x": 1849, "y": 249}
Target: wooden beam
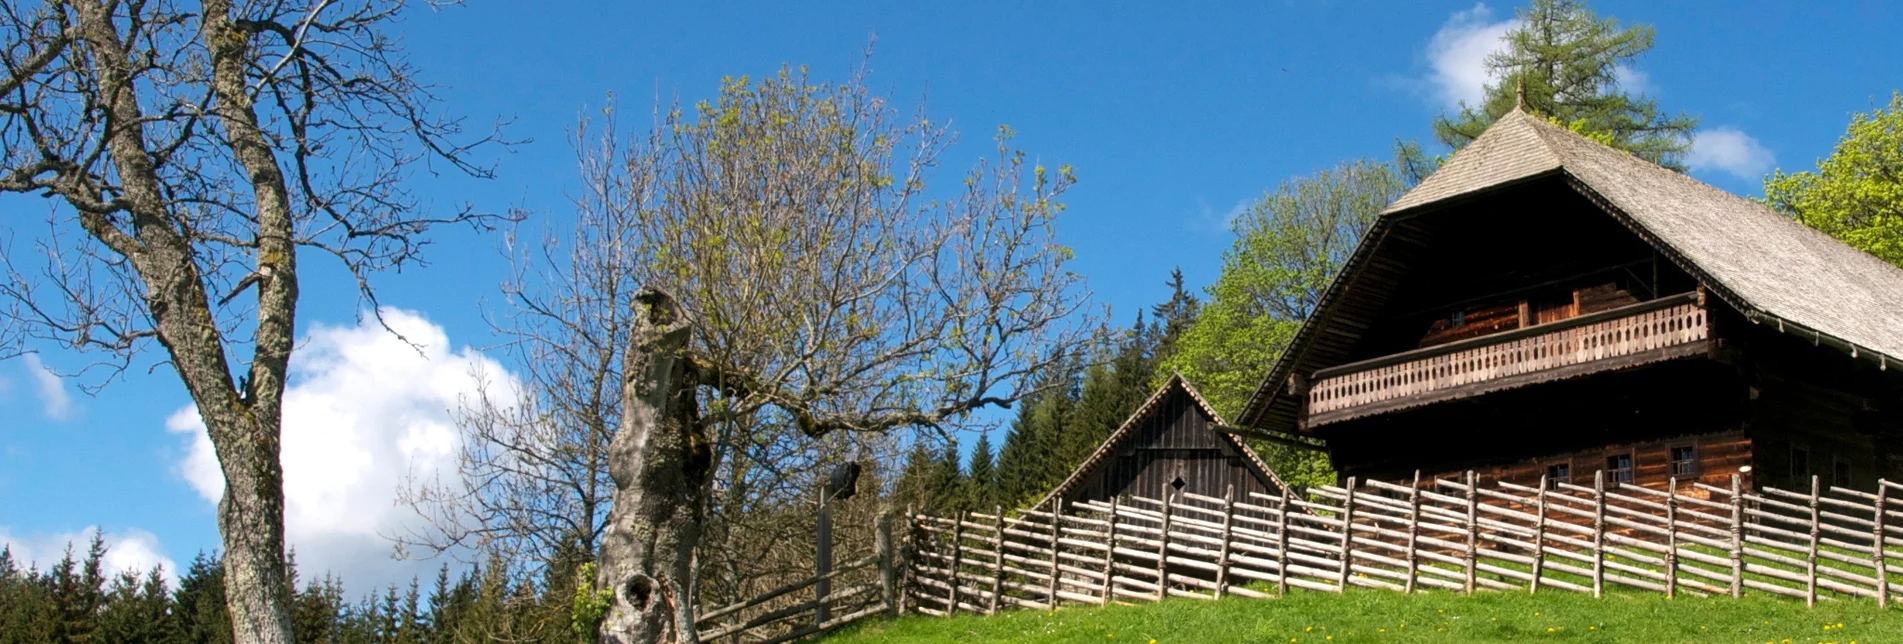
{"x": 1280, "y": 438}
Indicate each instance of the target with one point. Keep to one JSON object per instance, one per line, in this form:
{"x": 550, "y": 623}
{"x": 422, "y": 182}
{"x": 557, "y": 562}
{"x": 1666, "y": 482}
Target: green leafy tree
{"x": 1856, "y": 194}
{"x": 1289, "y": 245}
{"x": 1567, "y": 61}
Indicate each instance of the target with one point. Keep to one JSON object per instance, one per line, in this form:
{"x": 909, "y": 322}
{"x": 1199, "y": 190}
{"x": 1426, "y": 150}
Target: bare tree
{"x": 192, "y": 150}
{"x": 794, "y": 271}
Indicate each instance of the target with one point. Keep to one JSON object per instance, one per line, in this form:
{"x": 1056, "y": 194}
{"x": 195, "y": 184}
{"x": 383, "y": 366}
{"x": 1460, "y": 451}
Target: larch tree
{"x": 194, "y": 152}
{"x": 794, "y": 269}
{"x": 1289, "y": 245}
{"x": 1856, "y": 194}
{"x": 1565, "y": 62}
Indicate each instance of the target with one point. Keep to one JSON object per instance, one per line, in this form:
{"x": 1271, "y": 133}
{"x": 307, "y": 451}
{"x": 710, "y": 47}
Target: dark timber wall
{"x": 1175, "y": 440}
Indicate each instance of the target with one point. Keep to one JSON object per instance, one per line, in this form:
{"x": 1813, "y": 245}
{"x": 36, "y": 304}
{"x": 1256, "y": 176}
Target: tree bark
{"x": 242, "y": 421}
{"x": 659, "y": 460}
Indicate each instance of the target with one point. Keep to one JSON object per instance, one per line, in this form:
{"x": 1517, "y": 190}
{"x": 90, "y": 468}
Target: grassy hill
{"x": 1382, "y": 616}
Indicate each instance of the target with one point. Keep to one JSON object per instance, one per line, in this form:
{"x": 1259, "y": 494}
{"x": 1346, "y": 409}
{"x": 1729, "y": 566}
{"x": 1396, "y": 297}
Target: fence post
{"x": 888, "y": 573}
{"x": 1473, "y": 528}
{"x": 1222, "y": 555}
{"x": 907, "y": 561}
{"x": 1347, "y": 537}
{"x": 958, "y": 557}
{"x": 1882, "y": 565}
{"x": 1539, "y": 537}
{"x": 823, "y": 559}
{"x": 1413, "y": 532}
{"x": 1671, "y": 538}
{"x": 1810, "y": 556}
{"x": 1163, "y": 552}
{"x": 1281, "y": 545}
{"x": 1599, "y": 533}
{"x": 1057, "y": 515}
{"x": 997, "y": 559}
{"x": 1737, "y": 537}
{"x": 1110, "y": 555}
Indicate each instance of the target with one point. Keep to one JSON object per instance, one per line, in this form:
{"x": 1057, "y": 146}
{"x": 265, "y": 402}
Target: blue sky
{"x": 1173, "y": 115}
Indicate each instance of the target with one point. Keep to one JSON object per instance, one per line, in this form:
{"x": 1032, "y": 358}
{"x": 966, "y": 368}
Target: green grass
{"x": 1364, "y": 615}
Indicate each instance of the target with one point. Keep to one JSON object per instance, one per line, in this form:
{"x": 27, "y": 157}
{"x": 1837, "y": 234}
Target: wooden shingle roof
{"x": 1771, "y": 268}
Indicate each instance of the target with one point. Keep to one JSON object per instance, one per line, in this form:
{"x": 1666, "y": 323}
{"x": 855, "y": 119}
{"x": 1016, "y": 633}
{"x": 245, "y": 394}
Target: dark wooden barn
{"x": 1547, "y": 305}
{"x": 1169, "y": 444}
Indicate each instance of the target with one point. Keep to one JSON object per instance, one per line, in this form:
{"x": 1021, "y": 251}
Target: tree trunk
{"x": 251, "y": 520}
{"x": 659, "y": 462}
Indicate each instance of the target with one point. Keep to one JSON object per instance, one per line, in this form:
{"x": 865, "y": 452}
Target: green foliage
{"x": 1856, "y": 194}
{"x": 590, "y": 605}
{"x": 1368, "y": 615}
{"x": 1289, "y": 245}
{"x": 1567, "y": 60}
{"x": 981, "y": 482}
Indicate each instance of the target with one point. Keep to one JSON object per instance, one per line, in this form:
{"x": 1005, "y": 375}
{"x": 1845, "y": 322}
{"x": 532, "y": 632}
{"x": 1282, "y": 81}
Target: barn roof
{"x": 1127, "y": 431}
{"x": 1768, "y": 266}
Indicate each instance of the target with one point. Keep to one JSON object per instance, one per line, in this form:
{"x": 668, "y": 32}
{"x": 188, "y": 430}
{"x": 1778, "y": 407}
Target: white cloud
{"x": 1632, "y": 80}
{"x": 54, "y": 401}
{"x": 1457, "y": 55}
{"x": 132, "y": 550}
{"x": 364, "y": 412}
{"x": 1729, "y": 150}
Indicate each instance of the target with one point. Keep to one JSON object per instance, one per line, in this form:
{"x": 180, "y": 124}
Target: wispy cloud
{"x": 364, "y": 411}
{"x": 54, "y": 401}
{"x": 1457, "y": 55}
{"x": 1729, "y": 150}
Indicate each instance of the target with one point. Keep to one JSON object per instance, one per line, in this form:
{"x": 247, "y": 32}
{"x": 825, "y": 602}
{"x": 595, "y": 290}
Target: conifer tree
{"x": 1567, "y": 61}
{"x": 949, "y": 491}
{"x": 981, "y": 483}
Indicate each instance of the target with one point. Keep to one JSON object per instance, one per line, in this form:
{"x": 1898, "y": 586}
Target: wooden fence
{"x": 1691, "y": 538}
{"x": 869, "y": 586}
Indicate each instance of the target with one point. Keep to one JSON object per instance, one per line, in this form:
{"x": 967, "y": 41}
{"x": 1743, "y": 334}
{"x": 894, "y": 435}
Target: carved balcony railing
{"x": 1651, "y": 331}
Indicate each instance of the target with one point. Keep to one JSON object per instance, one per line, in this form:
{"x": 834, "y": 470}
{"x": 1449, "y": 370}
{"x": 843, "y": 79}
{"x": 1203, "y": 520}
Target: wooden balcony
{"x": 1661, "y": 329}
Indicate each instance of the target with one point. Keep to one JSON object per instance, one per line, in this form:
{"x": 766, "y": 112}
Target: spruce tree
{"x": 1173, "y": 318}
{"x": 981, "y": 483}
{"x": 948, "y": 486}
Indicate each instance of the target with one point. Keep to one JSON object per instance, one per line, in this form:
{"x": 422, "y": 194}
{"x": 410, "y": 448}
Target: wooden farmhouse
{"x": 1169, "y": 445}
{"x": 1547, "y": 305}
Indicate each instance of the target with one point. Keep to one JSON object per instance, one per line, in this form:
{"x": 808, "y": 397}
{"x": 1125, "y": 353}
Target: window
{"x": 1558, "y": 473}
{"x": 1840, "y": 473}
{"x": 1460, "y": 318}
{"x": 1619, "y": 468}
{"x": 1800, "y": 462}
{"x": 1684, "y": 461}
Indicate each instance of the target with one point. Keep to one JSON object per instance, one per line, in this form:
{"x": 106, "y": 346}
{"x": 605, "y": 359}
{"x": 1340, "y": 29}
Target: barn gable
{"x": 1171, "y": 436}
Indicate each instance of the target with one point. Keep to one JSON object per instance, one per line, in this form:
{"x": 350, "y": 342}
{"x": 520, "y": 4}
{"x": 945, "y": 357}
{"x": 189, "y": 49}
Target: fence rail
{"x": 1618, "y": 333}
{"x": 871, "y": 587}
{"x": 1460, "y": 535}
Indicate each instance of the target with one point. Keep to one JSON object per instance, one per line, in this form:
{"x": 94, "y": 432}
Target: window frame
{"x": 1558, "y": 472}
{"x": 1848, "y": 469}
{"x": 1686, "y": 467}
{"x": 1625, "y": 474}
{"x": 1792, "y": 462}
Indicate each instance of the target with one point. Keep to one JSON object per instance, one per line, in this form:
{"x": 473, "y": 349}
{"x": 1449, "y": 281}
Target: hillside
{"x": 1379, "y": 616}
